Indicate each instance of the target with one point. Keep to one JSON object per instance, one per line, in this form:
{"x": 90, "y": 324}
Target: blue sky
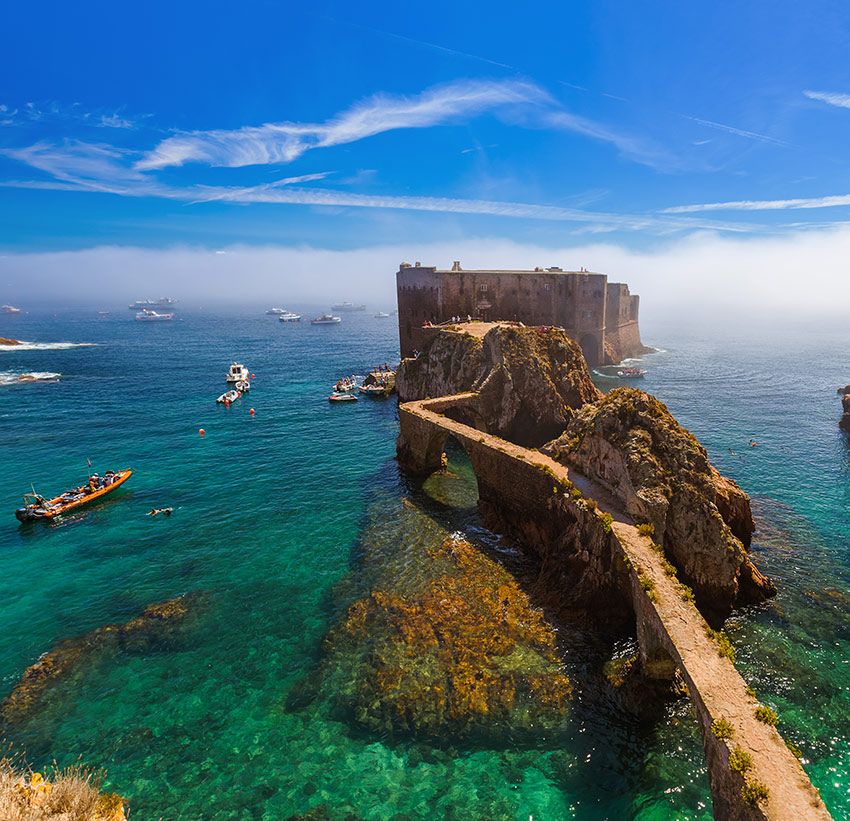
{"x": 340, "y": 125}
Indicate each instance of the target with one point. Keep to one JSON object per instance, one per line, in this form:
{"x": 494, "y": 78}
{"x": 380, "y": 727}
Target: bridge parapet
{"x": 592, "y": 551}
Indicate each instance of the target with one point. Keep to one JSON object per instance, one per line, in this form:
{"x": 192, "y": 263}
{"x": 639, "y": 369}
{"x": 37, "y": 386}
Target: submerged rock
{"x": 465, "y": 655}
{"x": 157, "y": 626}
{"x": 528, "y": 380}
{"x": 630, "y": 444}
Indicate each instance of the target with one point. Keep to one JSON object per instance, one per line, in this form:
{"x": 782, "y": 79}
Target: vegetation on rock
{"x": 71, "y": 794}
{"x": 767, "y": 715}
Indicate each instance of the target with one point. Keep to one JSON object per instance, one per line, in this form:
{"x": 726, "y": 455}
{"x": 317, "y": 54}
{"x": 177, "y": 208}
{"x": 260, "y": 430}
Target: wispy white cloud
{"x": 761, "y": 205}
{"x": 738, "y": 132}
{"x": 275, "y": 143}
{"x": 115, "y": 120}
{"x": 630, "y": 147}
{"x": 829, "y": 97}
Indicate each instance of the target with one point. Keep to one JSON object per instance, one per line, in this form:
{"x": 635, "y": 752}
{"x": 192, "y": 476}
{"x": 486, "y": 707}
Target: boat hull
{"x": 29, "y": 514}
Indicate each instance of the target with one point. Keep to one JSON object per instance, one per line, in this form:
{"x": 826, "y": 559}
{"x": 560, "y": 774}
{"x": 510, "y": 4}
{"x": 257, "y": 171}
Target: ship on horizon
{"x": 149, "y": 304}
{"x": 347, "y": 306}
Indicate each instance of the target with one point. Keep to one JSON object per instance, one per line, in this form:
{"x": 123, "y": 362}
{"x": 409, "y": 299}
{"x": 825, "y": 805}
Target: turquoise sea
{"x": 273, "y": 514}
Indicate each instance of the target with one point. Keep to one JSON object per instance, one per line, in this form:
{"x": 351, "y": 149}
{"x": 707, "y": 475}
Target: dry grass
{"x": 70, "y": 794}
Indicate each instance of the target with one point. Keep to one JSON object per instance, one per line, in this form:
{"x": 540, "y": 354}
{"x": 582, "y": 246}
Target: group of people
{"x": 97, "y": 482}
{"x": 451, "y": 321}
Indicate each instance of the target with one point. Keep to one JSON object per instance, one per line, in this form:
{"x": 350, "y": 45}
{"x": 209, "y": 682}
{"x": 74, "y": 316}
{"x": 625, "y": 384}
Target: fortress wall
{"x": 418, "y": 294}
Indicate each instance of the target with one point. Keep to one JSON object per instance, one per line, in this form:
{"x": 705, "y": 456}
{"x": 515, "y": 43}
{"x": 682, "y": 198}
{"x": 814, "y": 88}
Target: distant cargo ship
{"x": 149, "y": 304}
{"x": 347, "y": 306}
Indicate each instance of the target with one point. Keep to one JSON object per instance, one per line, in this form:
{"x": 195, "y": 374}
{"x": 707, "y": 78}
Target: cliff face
{"x": 630, "y": 444}
{"x": 528, "y": 380}
{"x": 844, "y": 424}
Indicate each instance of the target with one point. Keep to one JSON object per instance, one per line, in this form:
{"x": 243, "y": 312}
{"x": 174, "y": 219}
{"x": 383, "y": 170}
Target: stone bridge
{"x": 586, "y": 545}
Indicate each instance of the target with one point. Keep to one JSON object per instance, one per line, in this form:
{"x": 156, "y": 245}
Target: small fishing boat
{"x": 342, "y": 397}
{"x": 382, "y": 315}
{"x": 326, "y": 319}
{"x": 243, "y": 386}
{"x": 147, "y": 315}
{"x": 631, "y": 373}
{"x": 228, "y": 397}
{"x": 237, "y": 373}
{"x": 289, "y": 316}
{"x": 37, "y": 507}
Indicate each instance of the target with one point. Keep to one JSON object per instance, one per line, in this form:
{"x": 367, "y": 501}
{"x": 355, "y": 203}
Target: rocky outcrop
{"x": 528, "y": 380}
{"x": 451, "y": 363}
{"x": 6, "y": 341}
{"x": 461, "y": 653}
{"x": 159, "y": 625}
{"x": 630, "y": 444}
{"x": 844, "y": 423}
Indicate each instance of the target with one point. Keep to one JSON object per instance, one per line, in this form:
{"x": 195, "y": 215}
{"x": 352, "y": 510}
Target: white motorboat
{"x": 147, "y": 315}
{"x": 228, "y": 397}
{"x": 342, "y": 397}
{"x": 288, "y": 316}
{"x": 9, "y": 309}
{"x": 244, "y": 386}
{"x": 345, "y": 385}
{"x": 373, "y": 390}
{"x": 326, "y": 319}
{"x": 237, "y": 373}
{"x": 382, "y": 315}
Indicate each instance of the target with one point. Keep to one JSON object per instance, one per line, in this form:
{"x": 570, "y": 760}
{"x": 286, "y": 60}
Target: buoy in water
{"x": 201, "y": 431}
{"x": 253, "y": 376}
{"x": 251, "y": 411}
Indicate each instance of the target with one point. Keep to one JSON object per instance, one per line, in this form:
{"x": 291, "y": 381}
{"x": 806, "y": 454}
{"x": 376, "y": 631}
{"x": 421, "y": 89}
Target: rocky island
{"x": 6, "y": 341}
{"x": 844, "y": 423}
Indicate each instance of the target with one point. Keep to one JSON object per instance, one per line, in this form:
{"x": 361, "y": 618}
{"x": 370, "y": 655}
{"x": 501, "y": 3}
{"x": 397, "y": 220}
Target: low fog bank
{"x": 704, "y": 277}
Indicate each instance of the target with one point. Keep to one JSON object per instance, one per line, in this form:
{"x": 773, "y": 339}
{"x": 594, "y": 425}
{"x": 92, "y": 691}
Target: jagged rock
{"x": 528, "y": 380}
{"x": 6, "y": 341}
{"x": 466, "y": 654}
{"x": 844, "y": 424}
{"x": 630, "y": 444}
{"x": 157, "y": 626}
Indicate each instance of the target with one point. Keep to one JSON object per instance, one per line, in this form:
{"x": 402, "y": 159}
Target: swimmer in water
{"x": 157, "y": 510}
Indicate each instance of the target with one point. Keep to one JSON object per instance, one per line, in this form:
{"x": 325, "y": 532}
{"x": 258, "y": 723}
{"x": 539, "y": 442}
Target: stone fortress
{"x": 601, "y": 316}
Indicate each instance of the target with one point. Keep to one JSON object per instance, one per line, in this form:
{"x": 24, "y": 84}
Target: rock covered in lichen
{"x": 468, "y": 654}
{"x": 528, "y": 380}
{"x": 631, "y": 444}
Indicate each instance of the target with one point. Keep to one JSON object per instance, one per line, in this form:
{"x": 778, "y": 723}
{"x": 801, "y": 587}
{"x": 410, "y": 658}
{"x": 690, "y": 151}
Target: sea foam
{"x": 46, "y": 346}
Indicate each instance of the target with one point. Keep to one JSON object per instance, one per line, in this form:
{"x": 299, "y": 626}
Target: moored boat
{"x": 289, "y": 316}
{"x": 326, "y": 319}
{"x": 345, "y": 385}
{"x": 227, "y": 397}
{"x": 147, "y": 315}
{"x": 243, "y": 386}
{"x": 237, "y": 373}
{"x": 373, "y": 390}
{"x": 342, "y": 397}
{"x": 37, "y": 507}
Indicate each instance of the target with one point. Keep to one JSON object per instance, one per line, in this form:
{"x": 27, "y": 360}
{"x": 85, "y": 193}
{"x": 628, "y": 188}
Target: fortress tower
{"x": 601, "y": 316}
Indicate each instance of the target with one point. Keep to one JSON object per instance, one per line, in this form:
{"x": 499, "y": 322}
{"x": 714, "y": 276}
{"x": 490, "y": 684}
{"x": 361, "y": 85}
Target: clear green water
{"x": 272, "y": 513}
